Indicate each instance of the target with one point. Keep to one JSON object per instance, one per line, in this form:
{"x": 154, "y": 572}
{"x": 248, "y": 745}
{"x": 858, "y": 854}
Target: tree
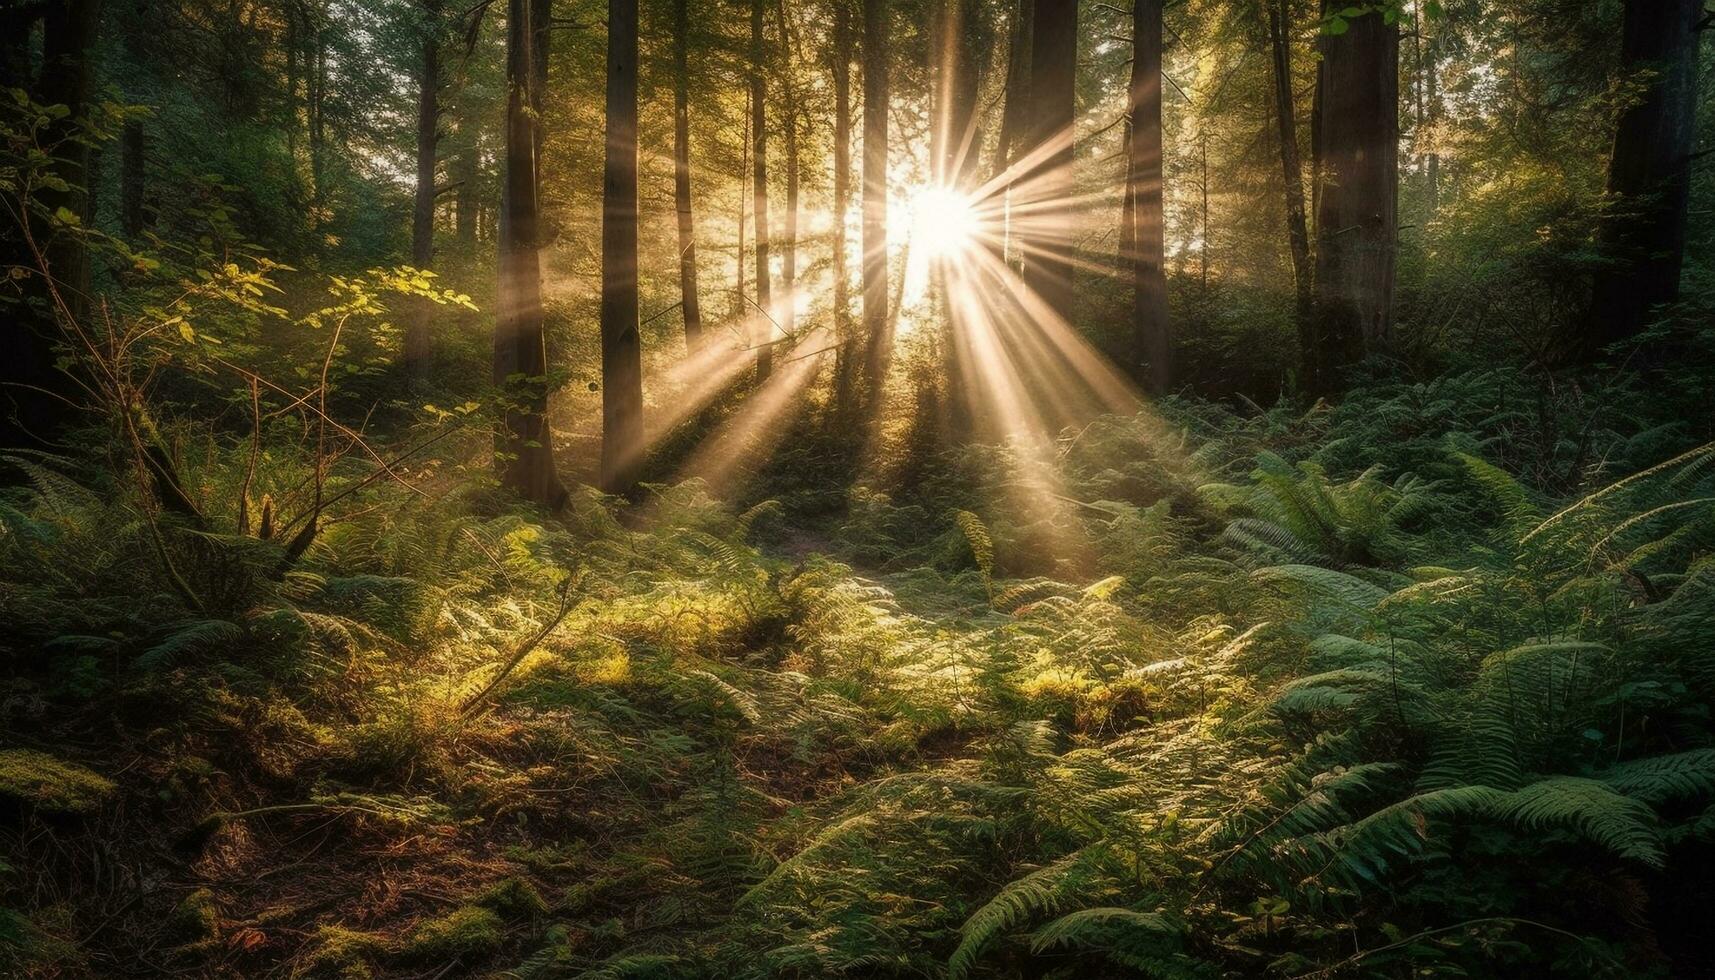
{"x": 1649, "y": 173}
{"x": 1152, "y": 331}
{"x": 1292, "y": 170}
{"x": 875, "y": 106}
{"x": 525, "y": 446}
{"x": 38, "y": 395}
{"x": 621, "y": 347}
{"x": 793, "y": 120}
{"x": 1049, "y": 192}
{"x": 418, "y": 342}
{"x": 690, "y": 309}
{"x": 763, "y": 335}
{"x": 842, "y": 70}
{"x": 1357, "y": 216}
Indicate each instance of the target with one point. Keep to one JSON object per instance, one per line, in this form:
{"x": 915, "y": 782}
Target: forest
{"x": 947, "y": 489}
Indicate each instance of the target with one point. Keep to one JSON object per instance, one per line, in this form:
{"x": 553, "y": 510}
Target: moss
{"x": 197, "y": 918}
{"x": 513, "y": 899}
{"x": 344, "y": 953}
{"x": 49, "y": 783}
{"x": 470, "y": 931}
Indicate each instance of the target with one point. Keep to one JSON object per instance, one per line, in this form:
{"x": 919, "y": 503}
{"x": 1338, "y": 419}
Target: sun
{"x": 943, "y": 222}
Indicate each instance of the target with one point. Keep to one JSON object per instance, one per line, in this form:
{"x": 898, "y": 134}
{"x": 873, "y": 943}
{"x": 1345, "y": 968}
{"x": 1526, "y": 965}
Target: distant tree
{"x": 418, "y": 340}
{"x": 690, "y": 308}
{"x": 1292, "y": 169}
{"x": 525, "y": 447}
{"x": 1152, "y": 331}
{"x": 1357, "y": 215}
{"x": 764, "y": 332}
{"x": 1649, "y": 173}
{"x": 875, "y": 108}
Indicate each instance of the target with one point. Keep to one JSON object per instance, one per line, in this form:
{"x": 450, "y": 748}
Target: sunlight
{"x": 944, "y": 222}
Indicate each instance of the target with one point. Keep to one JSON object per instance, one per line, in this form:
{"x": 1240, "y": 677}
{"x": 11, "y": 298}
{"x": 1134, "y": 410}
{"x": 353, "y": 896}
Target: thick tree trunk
{"x": 1048, "y": 194}
{"x": 1152, "y": 330}
{"x": 1649, "y": 174}
{"x": 418, "y": 342}
{"x": 763, "y": 335}
{"x": 1292, "y": 170}
{"x": 689, "y": 307}
{"x": 34, "y": 391}
{"x": 525, "y": 447}
{"x": 875, "y": 106}
{"x": 1357, "y": 220}
{"x": 621, "y": 347}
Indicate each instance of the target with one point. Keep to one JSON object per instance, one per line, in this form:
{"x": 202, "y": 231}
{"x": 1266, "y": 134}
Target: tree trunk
{"x": 621, "y": 347}
{"x": 1649, "y": 174}
{"x": 1292, "y": 170}
{"x": 789, "y": 247}
{"x": 525, "y": 448}
{"x": 34, "y": 391}
{"x": 1015, "y": 116}
{"x": 1152, "y": 331}
{"x": 1049, "y": 191}
{"x": 1357, "y": 221}
{"x": 763, "y": 335}
{"x": 875, "y": 106}
{"x": 688, "y": 304}
{"x": 842, "y": 201}
{"x": 132, "y": 179}
{"x": 466, "y": 168}
{"x": 418, "y": 343}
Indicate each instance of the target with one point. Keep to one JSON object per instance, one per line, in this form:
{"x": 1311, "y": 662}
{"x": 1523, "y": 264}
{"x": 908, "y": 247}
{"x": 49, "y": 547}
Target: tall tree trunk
{"x": 466, "y": 167}
{"x": 1649, "y": 174}
{"x": 688, "y": 304}
{"x": 33, "y": 389}
{"x": 525, "y": 447}
{"x": 842, "y": 201}
{"x": 1357, "y": 220}
{"x": 1053, "y": 76}
{"x": 132, "y": 178}
{"x": 1152, "y": 330}
{"x": 317, "y": 123}
{"x": 418, "y": 342}
{"x": 1292, "y": 170}
{"x": 1015, "y": 115}
{"x": 1432, "y": 116}
{"x": 621, "y": 347}
{"x": 763, "y": 335}
{"x": 789, "y": 247}
{"x": 875, "y": 106}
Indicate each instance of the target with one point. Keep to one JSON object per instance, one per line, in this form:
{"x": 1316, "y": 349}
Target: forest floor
{"x": 1176, "y": 714}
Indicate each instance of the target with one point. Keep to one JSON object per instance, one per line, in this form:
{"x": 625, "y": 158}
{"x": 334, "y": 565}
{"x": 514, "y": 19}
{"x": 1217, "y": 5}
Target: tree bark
{"x": 789, "y": 247}
{"x": 875, "y": 106}
{"x": 1152, "y": 330}
{"x": 690, "y": 309}
{"x": 525, "y": 447}
{"x": 34, "y": 391}
{"x": 1649, "y": 174}
{"x": 621, "y": 347}
{"x": 842, "y": 70}
{"x": 1357, "y": 220}
{"x": 1049, "y": 190}
{"x": 763, "y": 334}
{"x": 1015, "y": 116}
{"x": 1292, "y": 170}
{"x": 418, "y": 341}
